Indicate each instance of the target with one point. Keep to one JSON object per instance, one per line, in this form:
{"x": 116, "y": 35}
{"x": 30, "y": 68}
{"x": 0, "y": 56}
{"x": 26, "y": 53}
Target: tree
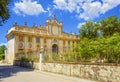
{"x": 110, "y": 25}
{"x": 2, "y": 55}
{"x": 4, "y": 12}
{"x": 114, "y": 48}
{"x": 105, "y": 48}
{"x": 2, "y": 49}
{"x": 89, "y": 30}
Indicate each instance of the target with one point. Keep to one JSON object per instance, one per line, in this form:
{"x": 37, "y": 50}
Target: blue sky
{"x": 73, "y": 13}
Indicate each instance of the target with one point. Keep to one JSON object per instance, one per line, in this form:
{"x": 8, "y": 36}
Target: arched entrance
{"x": 55, "y": 48}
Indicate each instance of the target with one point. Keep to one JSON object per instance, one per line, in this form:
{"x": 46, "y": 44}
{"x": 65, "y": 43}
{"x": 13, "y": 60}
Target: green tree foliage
{"x": 114, "y": 48}
{"x": 89, "y": 30}
{"x": 110, "y": 25}
{"x": 2, "y": 55}
{"x": 107, "y": 49}
{"x": 2, "y": 49}
{"x": 4, "y": 12}
{"x": 88, "y": 49}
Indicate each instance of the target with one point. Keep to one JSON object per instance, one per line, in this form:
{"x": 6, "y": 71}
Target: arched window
{"x": 55, "y": 48}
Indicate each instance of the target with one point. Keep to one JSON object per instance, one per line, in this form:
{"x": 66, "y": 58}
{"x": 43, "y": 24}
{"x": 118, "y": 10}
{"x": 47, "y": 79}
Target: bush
{"x": 2, "y": 56}
{"x": 55, "y": 57}
{"x": 100, "y": 49}
{"x": 24, "y": 59}
{"x": 46, "y": 57}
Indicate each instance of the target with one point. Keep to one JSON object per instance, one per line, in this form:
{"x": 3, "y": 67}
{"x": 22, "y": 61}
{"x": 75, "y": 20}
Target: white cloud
{"x": 109, "y": 4}
{"x": 86, "y": 9}
{"x": 80, "y": 24}
{"x": 50, "y": 10}
{"x": 1, "y": 44}
{"x": 28, "y": 7}
{"x": 60, "y": 4}
{"x": 91, "y": 10}
{"x": 70, "y": 5}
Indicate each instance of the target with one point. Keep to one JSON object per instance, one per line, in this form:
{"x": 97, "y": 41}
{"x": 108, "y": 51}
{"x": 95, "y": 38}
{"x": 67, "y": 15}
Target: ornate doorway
{"x": 55, "y": 48}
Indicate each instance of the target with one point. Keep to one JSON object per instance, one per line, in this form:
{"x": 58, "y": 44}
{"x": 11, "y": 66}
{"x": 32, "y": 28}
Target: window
{"x": 37, "y": 40}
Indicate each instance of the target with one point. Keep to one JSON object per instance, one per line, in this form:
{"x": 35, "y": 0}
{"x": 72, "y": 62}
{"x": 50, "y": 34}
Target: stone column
{"x": 42, "y": 42}
{"x": 71, "y": 45}
{"x": 49, "y": 45}
{"x": 34, "y": 43}
{"x": 66, "y": 42}
{"x": 26, "y": 45}
{"x": 16, "y": 43}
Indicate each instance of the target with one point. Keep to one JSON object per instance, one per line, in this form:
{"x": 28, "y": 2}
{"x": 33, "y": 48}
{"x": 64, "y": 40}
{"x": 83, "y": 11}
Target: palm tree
{"x": 4, "y": 12}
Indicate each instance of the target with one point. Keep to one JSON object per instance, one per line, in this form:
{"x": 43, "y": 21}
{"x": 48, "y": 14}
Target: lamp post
{"x": 41, "y": 58}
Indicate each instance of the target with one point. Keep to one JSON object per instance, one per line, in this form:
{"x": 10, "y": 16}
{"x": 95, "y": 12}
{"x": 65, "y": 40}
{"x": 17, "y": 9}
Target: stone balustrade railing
{"x": 39, "y": 31}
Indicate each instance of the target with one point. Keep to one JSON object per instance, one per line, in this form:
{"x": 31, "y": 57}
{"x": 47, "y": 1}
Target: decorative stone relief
{"x": 20, "y": 45}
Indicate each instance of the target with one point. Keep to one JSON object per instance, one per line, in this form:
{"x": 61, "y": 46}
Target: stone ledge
{"x": 87, "y": 63}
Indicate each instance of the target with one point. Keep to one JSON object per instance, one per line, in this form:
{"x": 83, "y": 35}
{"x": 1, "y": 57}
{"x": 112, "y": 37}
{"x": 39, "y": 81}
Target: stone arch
{"x": 55, "y": 48}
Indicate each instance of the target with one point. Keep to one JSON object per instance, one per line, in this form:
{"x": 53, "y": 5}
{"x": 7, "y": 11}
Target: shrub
{"x": 55, "y": 57}
{"x": 46, "y": 57}
{"x": 2, "y": 56}
{"x": 24, "y": 59}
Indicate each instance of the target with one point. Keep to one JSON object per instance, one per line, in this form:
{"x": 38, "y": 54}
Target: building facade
{"x": 50, "y": 37}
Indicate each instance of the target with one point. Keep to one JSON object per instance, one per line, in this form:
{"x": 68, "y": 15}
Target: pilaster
{"x": 26, "y": 43}
{"x": 49, "y": 45}
{"x": 60, "y": 46}
{"x": 16, "y": 43}
{"x": 34, "y": 43}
